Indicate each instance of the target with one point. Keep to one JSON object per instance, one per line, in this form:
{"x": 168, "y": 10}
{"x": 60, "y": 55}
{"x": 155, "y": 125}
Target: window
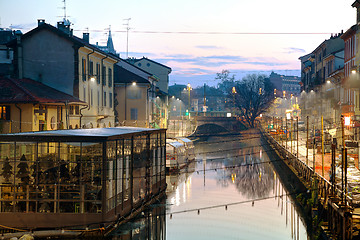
{"x": 71, "y": 110}
{"x": 103, "y": 77}
{"x": 110, "y": 76}
{"x": 91, "y": 68}
{"x": 134, "y": 114}
{"x": 98, "y": 98}
{"x": 52, "y": 123}
{"x": 83, "y": 67}
{"x": 91, "y": 97}
{"x": 98, "y": 73}
{"x": 84, "y": 94}
{"x": 77, "y": 110}
{"x": 104, "y": 103}
{"x": 5, "y": 112}
{"x": 110, "y": 100}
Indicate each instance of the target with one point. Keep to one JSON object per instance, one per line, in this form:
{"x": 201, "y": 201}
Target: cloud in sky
{"x": 208, "y": 47}
{"x": 215, "y": 63}
{"x": 23, "y": 25}
{"x": 294, "y": 50}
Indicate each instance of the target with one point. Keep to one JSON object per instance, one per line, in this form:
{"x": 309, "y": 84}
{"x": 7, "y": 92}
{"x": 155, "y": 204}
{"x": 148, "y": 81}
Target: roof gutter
{"x": 88, "y": 74}
{"x": 81, "y": 115}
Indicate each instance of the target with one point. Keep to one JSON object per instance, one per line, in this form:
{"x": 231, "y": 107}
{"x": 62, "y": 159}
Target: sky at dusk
{"x": 197, "y": 38}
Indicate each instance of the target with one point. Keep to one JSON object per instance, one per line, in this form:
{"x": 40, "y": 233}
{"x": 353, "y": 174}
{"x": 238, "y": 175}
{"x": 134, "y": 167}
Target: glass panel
{"x": 23, "y": 179}
{"x": 139, "y": 172}
{"x": 91, "y": 176}
{"x": 120, "y": 171}
{"x": 127, "y": 166}
{"x": 111, "y": 174}
{"x": 7, "y": 176}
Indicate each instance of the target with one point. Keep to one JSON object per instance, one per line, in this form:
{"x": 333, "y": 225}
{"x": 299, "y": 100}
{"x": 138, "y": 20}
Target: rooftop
{"x": 80, "y": 135}
{"x": 30, "y": 91}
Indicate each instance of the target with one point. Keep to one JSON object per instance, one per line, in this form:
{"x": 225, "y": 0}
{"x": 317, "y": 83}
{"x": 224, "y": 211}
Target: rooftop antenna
{"x": 64, "y": 1}
{"x": 65, "y": 20}
{"x": 127, "y": 35}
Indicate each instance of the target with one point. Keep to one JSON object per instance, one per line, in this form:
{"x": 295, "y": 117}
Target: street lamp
{"x": 189, "y": 89}
{"x": 233, "y": 92}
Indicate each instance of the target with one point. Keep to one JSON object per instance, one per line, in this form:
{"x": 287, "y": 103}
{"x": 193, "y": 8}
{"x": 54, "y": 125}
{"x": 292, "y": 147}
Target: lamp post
{"x": 188, "y": 88}
{"x": 233, "y": 93}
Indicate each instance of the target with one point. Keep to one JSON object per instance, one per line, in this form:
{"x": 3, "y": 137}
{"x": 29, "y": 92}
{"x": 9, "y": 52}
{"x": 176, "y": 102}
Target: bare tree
{"x": 226, "y": 81}
{"x": 254, "y": 95}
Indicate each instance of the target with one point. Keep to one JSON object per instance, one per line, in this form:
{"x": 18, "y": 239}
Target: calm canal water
{"x": 230, "y": 191}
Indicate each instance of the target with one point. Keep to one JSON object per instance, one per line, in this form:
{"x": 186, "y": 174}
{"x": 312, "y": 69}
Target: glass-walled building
{"x": 79, "y": 177}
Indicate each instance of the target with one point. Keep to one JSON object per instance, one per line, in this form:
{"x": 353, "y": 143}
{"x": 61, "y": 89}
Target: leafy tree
{"x": 255, "y": 94}
{"x": 6, "y": 173}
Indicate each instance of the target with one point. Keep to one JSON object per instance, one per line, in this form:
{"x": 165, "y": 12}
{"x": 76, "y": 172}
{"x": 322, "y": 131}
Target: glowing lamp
{"x": 347, "y": 121}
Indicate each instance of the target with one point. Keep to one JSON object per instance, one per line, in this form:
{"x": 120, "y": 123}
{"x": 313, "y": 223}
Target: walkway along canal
{"x": 332, "y": 209}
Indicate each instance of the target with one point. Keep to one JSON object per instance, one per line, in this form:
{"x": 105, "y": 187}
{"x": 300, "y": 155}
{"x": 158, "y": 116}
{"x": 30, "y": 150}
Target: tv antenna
{"x": 127, "y": 24}
{"x": 64, "y": 8}
{"x": 65, "y": 20}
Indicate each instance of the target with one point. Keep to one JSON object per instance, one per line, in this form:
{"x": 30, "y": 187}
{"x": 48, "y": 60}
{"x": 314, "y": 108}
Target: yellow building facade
{"x": 96, "y": 88}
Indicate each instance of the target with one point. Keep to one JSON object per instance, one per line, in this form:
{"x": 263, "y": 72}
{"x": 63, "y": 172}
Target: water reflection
{"x": 231, "y": 191}
{"x": 235, "y": 194}
{"x": 151, "y": 224}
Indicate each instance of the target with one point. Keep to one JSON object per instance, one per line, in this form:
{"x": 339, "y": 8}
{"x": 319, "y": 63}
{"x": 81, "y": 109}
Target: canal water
{"x": 230, "y": 191}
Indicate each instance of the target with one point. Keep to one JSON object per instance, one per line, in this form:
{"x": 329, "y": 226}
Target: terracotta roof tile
{"x": 30, "y": 91}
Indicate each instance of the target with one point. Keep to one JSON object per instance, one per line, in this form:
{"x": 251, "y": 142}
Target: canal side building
{"x": 27, "y": 105}
{"x": 55, "y": 57}
{"x": 80, "y": 177}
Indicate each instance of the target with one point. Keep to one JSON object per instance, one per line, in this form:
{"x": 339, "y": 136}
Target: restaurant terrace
{"x": 65, "y": 178}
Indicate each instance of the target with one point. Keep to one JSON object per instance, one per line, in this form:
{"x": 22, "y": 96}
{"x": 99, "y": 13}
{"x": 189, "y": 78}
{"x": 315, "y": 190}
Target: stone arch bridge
{"x": 205, "y": 125}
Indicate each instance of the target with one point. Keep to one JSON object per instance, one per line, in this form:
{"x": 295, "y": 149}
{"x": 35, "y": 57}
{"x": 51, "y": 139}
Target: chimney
{"x": 86, "y": 37}
{"x": 64, "y": 27}
{"x": 41, "y": 21}
{"x": 19, "y": 55}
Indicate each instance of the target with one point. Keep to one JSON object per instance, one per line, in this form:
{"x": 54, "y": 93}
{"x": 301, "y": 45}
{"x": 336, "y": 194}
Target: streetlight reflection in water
{"x": 237, "y": 194}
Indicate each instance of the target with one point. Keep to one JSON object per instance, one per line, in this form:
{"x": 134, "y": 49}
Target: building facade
{"x": 161, "y": 73}
{"x": 27, "y": 105}
{"x": 132, "y": 98}
{"x": 57, "y": 58}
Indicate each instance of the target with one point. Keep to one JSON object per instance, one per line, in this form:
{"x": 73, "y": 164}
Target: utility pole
{"x": 204, "y": 100}
{"x": 307, "y": 140}
{"x": 322, "y": 146}
{"x": 297, "y": 137}
{"x": 314, "y": 141}
{"x": 127, "y": 35}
